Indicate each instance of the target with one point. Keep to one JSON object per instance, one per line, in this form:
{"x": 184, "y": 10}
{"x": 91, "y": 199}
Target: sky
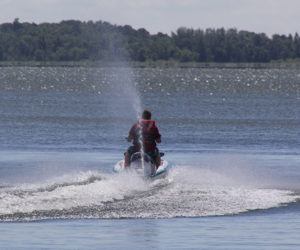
{"x": 166, "y": 16}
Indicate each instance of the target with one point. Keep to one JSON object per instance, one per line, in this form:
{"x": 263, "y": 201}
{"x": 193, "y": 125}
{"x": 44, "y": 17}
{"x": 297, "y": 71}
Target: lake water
{"x": 231, "y": 135}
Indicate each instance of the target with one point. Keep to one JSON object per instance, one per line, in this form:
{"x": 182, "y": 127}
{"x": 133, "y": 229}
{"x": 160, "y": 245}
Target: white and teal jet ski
{"x": 144, "y": 165}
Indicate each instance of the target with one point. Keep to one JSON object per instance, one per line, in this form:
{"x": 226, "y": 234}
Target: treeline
{"x": 102, "y": 41}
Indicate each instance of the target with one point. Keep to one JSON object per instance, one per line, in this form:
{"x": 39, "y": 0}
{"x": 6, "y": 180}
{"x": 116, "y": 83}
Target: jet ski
{"x": 144, "y": 165}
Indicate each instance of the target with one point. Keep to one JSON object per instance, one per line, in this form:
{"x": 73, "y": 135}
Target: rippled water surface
{"x": 231, "y": 135}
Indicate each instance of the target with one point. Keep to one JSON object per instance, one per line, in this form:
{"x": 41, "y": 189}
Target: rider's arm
{"x": 128, "y": 138}
{"x": 157, "y": 135}
{"x": 131, "y": 133}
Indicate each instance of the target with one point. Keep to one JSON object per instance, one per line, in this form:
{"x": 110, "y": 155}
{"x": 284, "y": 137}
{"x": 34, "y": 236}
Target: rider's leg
{"x": 157, "y": 160}
{"x": 130, "y": 151}
{"x": 127, "y": 158}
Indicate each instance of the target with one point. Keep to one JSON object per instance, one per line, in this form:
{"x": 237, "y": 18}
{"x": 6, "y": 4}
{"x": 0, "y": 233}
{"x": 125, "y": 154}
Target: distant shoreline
{"x": 150, "y": 64}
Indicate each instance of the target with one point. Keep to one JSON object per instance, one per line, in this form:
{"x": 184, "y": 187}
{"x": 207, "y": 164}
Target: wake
{"x": 187, "y": 191}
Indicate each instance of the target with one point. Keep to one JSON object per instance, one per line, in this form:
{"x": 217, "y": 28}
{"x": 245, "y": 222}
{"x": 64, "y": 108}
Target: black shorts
{"x": 132, "y": 150}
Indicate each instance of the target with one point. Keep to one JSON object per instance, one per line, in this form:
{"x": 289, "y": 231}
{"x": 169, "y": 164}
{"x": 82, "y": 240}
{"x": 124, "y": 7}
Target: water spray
{"x": 141, "y": 142}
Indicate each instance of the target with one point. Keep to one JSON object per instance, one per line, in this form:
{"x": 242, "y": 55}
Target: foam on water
{"x": 186, "y": 192}
{"x": 66, "y": 192}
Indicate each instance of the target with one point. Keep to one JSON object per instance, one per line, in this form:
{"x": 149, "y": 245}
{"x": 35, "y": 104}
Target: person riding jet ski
{"x": 144, "y": 135}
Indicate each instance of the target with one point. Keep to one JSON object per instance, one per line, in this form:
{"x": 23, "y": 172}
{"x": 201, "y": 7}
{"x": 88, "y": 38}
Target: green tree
{"x": 75, "y": 40}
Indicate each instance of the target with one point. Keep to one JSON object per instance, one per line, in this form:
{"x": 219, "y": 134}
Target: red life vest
{"x": 144, "y": 131}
